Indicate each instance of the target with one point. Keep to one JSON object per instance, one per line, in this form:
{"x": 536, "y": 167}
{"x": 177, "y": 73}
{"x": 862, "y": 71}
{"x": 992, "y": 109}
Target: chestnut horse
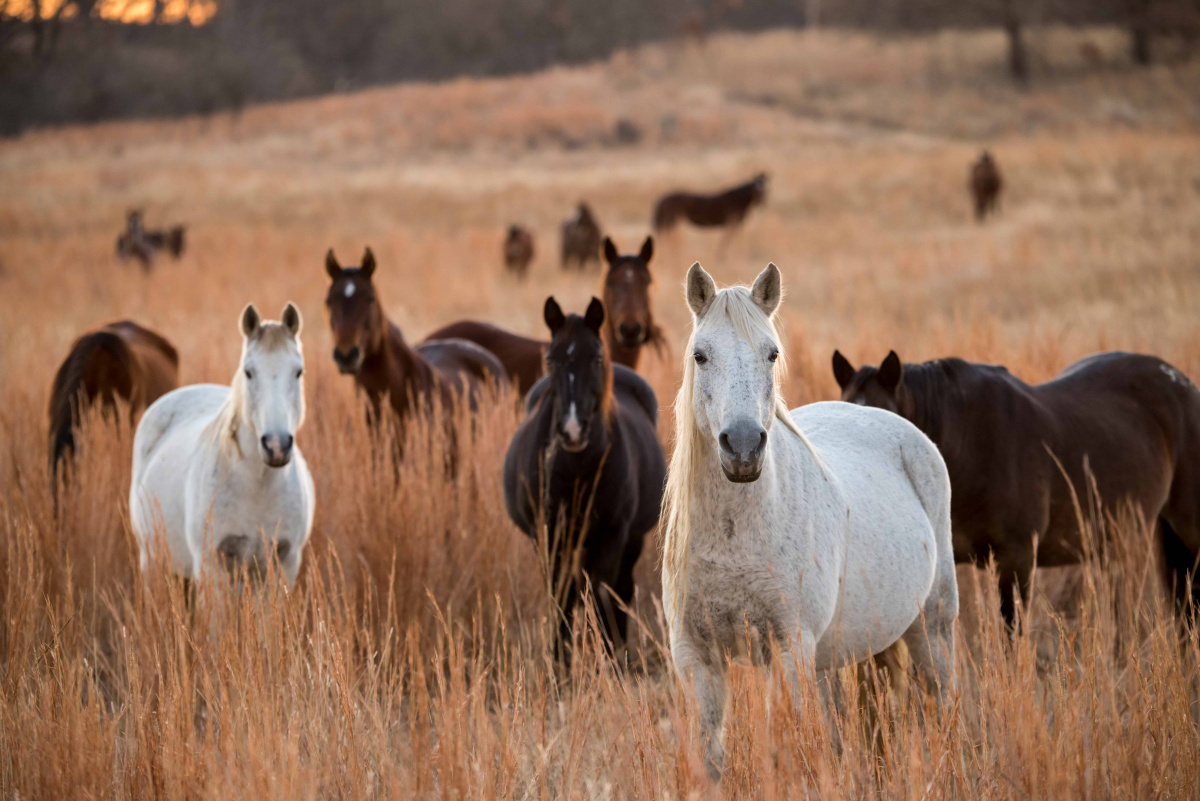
{"x": 371, "y": 348}
{"x": 727, "y": 208}
{"x": 1123, "y": 425}
{"x": 118, "y": 360}
{"x": 521, "y": 356}
{"x": 629, "y": 320}
{"x": 580, "y": 238}
{"x": 518, "y": 250}
{"x": 985, "y": 185}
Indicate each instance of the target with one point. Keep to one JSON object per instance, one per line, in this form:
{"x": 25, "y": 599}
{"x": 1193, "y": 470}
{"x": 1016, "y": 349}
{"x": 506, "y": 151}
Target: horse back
{"x": 521, "y": 357}
{"x": 461, "y": 365}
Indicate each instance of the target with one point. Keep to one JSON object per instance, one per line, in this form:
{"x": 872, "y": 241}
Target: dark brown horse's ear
{"x": 250, "y": 320}
{"x": 891, "y": 372}
{"x": 368, "y": 263}
{"x": 610, "y": 250}
{"x": 843, "y": 370}
{"x": 553, "y": 315}
{"x": 291, "y": 319}
{"x": 594, "y": 317}
{"x": 647, "y": 251}
{"x": 331, "y": 265}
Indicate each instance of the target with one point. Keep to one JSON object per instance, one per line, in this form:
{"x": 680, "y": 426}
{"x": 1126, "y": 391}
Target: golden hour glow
{"x": 138, "y": 12}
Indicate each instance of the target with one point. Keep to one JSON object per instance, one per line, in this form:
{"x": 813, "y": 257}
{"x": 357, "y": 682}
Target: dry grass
{"x": 411, "y": 659}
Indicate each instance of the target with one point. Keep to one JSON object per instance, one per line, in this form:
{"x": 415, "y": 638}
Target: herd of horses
{"x": 825, "y": 534}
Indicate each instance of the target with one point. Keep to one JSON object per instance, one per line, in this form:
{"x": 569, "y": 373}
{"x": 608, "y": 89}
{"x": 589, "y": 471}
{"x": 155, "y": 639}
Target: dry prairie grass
{"x": 411, "y": 658}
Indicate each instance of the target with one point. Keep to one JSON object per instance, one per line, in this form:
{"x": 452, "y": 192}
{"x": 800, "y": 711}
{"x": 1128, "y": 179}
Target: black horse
{"x": 1122, "y": 424}
{"x": 588, "y": 462}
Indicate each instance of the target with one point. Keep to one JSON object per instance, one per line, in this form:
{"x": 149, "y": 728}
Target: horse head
{"x": 355, "y": 316}
{"x": 630, "y": 323}
{"x": 882, "y": 387}
{"x": 270, "y": 385}
{"x": 578, "y": 372}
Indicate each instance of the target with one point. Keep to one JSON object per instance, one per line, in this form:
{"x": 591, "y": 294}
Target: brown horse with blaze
{"x": 629, "y": 323}
{"x": 371, "y": 348}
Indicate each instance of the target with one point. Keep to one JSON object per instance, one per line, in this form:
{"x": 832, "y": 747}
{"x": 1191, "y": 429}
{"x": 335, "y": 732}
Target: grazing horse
{"x": 580, "y": 239}
{"x": 1124, "y": 425}
{"x": 518, "y": 250}
{"x": 985, "y": 186}
{"x": 370, "y": 347}
{"x": 587, "y": 461}
{"x": 521, "y": 356}
{"x": 118, "y": 360}
{"x": 138, "y": 243}
{"x": 727, "y": 208}
{"x": 824, "y": 532}
{"x": 217, "y": 476}
{"x": 629, "y": 323}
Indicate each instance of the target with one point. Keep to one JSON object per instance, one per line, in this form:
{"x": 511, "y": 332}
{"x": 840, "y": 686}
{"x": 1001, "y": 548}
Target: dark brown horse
{"x": 138, "y": 243}
{"x": 588, "y": 456}
{"x": 119, "y": 360}
{"x": 371, "y": 348}
{"x": 580, "y": 239}
{"x": 518, "y": 250}
{"x": 629, "y": 322}
{"x": 1128, "y": 422}
{"x": 521, "y": 356}
{"x": 985, "y": 185}
{"x": 727, "y": 208}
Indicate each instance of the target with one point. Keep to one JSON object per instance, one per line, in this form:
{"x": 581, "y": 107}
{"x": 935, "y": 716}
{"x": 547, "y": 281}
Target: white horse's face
{"x": 273, "y": 383}
{"x": 734, "y": 387}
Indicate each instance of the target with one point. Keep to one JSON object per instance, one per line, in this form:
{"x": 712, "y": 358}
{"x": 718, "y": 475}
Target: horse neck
{"x": 620, "y": 354}
{"x": 932, "y": 399}
{"x": 397, "y": 369}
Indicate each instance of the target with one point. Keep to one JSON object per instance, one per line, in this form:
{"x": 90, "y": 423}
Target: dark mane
{"x": 68, "y": 385}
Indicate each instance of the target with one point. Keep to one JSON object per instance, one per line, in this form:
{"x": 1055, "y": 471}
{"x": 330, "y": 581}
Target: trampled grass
{"x": 411, "y": 659}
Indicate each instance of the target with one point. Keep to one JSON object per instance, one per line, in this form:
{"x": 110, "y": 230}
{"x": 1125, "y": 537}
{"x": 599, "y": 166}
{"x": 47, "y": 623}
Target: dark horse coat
{"x": 588, "y": 454}
{"x": 729, "y": 207}
{"x": 1129, "y": 422}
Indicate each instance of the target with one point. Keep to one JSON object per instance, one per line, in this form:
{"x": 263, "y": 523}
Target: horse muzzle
{"x": 631, "y": 335}
{"x": 277, "y": 448}
{"x": 348, "y": 361}
{"x": 743, "y": 446}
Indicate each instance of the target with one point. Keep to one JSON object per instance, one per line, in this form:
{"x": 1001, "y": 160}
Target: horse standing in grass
{"x": 371, "y": 348}
{"x": 1123, "y": 425}
{"x": 985, "y": 186}
{"x": 521, "y": 356}
{"x": 119, "y": 360}
{"x": 580, "y": 239}
{"x": 138, "y": 243}
{"x": 724, "y": 209}
{"x": 518, "y": 250}
{"x": 824, "y": 532}
{"x": 587, "y": 462}
{"x": 217, "y": 476}
{"x": 629, "y": 323}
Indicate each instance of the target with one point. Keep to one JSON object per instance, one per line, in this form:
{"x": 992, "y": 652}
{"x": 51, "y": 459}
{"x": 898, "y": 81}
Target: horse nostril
{"x": 724, "y": 442}
{"x": 762, "y": 443}
{"x": 286, "y": 440}
{"x": 282, "y": 549}
{"x": 264, "y": 439}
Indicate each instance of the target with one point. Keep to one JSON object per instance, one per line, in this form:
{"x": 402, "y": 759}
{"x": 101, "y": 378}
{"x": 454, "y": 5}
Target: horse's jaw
{"x": 741, "y": 477}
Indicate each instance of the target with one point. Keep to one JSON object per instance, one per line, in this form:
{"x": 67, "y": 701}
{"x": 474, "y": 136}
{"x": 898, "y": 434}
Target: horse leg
{"x": 708, "y": 684}
{"x": 624, "y": 586}
{"x": 1179, "y": 565}
{"x": 1014, "y": 582}
{"x": 930, "y": 638}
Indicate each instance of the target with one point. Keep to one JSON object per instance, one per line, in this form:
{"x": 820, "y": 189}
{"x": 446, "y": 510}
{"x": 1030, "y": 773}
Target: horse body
{"x": 580, "y": 238}
{"x": 518, "y": 250}
{"x": 118, "y": 360}
{"x": 139, "y": 243}
{"x": 371, "y": 347}
{"x": 729, "y": 207}
{"x": 215, "y": 470}
{"x": 985, "y": 185}
{"x": 830, "y": 539}
{"x": 1124, "y": 425}
{"x": 520, "y": 356}
{"x": 587, "y": 460}
{"x": 629, "y": 320}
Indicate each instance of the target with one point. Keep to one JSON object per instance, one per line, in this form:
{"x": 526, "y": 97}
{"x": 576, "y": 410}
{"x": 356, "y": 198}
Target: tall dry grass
{"x": 414, "y": 656}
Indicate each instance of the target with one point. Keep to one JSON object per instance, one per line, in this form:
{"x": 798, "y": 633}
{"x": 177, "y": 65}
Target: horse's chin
{"x": 741, "y": 477}
{"x": 348, "y": 369}
{"x": 271, "y": 461}
{"x": 573, "y": 447}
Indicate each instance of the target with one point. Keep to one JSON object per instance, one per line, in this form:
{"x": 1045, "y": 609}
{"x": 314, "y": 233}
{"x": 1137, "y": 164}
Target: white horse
{"x": 216, "y": 474}
{"x": 828, "y": 536}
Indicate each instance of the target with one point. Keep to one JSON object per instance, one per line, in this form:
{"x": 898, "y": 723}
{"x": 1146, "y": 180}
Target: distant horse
{"x": 580, "y": 239}
{"x": 587, "y": 457}
{"x": 629, "y": 323}
{"x": 371, "y": 348}
{"x": 1127, "y": 425}
{"x": 518, "y": 250}
{"x": 521, "y": 356}
{"x": 217, "y": 477}
{"x": 118, "y": 360}
{"x": 138, "y": 243}
{"x": 826, "y": 535}
{"x": 985, "y": 186}
{"x": 727, "y": 208}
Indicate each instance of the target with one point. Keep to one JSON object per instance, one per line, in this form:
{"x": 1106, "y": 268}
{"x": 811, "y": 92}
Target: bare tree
{"x": 1138, "y": 14}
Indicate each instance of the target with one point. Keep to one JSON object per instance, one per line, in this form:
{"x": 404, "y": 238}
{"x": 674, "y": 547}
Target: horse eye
{"x": 248, "y": 373}
{"x": 774, "y": 355}
{"x": 699, "y": 357}
{"x": 299, "y": 372}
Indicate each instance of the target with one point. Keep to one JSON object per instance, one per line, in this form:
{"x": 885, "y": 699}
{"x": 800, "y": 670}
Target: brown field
{"x": 411, "y": 658}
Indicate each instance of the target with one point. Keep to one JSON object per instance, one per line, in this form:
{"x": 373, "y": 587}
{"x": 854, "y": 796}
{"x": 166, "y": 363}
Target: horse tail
{"x": 99, "y": 350}
{"x": 175, "y": 241}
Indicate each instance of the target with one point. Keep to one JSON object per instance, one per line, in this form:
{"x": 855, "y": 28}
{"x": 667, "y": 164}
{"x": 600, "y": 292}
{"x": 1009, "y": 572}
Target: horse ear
{"x": 647, "y": 251}
{"x": 553, "y": 315}
{"x": 768, "y": 289}
{"x": 891, "y": 372}
{"x": 250, "y": 320}
{"x": 331, "y": 265}
{"x": 843, "y": 370}
{"x": 368, "y": 263}
{"x": 291, "y": 319}
{"x": 594, "y": 317}
{"x": 610, "y": 250}
{"x": 701, "y": 290}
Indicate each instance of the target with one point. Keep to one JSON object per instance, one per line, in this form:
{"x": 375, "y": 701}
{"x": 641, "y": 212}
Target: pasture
{"x": 411, "y": 658}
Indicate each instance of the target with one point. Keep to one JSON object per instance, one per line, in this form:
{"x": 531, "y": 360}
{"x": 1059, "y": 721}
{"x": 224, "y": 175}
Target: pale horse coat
{"x": 217, "y": 477}
{"x": 828, "y": 533}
